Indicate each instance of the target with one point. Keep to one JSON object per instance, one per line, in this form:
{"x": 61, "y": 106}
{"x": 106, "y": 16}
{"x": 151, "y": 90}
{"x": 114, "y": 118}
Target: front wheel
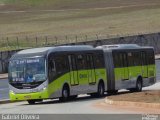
{"x": 31, "y": 102}
{"x": 139, "y": 86}
{"x": 65, "y": 94}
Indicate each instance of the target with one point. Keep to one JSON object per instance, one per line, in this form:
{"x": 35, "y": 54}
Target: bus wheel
{"x": 31, "y": 102}
{"x": 100, "y": 91}
{"x": 65, "y": 94}
{"x": 139, "y": 86}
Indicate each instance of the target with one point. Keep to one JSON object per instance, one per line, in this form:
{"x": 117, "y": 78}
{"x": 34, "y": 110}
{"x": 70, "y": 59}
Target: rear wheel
{"x": 31, "y": 102}
{"x": 65, "y": 94}
{"x": 139, "y": 86}
{"x": 100, "y": 92}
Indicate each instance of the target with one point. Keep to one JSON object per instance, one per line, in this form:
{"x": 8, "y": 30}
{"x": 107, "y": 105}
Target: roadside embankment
{"x": 146, "y": 99}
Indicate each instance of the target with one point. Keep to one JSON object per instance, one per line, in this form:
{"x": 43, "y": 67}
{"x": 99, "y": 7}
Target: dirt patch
{"x": 118, "y": 109}
{"x": 145, "y": 96}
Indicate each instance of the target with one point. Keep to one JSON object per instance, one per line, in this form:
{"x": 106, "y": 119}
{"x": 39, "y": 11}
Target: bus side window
{"x": 51, "y": 69}
{"x": 81, "y": 62}
{"x": 130, "y": 59}
{"x": 151, "y": 59}
{"x": 120, "y": 60}
{"x": 116, "y": 60}
{"x": 136, "y": 58}
{"x": 143, "y": 58}
{"x": 99, "y": 61}
{"x": 51, "y": 66}
{"x": 61, "y": 64}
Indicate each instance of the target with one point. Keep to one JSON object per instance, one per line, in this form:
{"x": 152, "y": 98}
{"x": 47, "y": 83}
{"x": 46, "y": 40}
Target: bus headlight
{"x": 11, "y": 91}
{"x": 44, "y": 88}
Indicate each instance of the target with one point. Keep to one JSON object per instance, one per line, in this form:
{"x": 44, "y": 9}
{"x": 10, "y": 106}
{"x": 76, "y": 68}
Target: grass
{"x": 74, "y": 18}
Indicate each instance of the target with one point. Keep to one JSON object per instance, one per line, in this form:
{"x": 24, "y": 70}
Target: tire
{"x": 65, "y": 94}
{"x": 100, "y": 91}
{"x": 138, "y": 86}
{"x": 31, "y": 102}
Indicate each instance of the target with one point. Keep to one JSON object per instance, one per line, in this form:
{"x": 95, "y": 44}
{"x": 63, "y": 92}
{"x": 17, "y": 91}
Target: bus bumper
{"x": 28, "y": 96}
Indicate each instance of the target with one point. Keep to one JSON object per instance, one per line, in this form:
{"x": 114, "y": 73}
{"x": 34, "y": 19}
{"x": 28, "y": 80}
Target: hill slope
{"x": 75, "y": 19}
{"x": 69, "y": 4}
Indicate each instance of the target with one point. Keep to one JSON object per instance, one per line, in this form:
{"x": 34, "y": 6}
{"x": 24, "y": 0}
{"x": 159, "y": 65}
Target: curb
{"x": 7, "y": 101}
{"x": 3, "y": 78}
{"x": 133, "y": 104}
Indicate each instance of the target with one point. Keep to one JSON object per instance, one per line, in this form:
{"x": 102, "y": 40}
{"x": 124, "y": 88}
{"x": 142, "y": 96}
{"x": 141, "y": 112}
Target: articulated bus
{"x": 66, "y": 71}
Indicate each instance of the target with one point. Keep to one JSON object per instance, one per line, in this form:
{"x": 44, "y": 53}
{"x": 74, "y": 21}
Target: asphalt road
{"x": 4, "y": 89}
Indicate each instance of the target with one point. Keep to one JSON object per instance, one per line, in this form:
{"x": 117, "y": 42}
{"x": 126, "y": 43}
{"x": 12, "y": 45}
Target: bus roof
{"x": 122, "y": 46}
{"x": 45, "y": 50}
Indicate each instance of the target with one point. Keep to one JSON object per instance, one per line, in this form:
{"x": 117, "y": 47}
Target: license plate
{"x": 27, "y": 97}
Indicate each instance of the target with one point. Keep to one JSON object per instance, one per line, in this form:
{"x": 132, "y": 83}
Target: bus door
{"x": 73, "y": 70}
{"x": 124, "y": 65}
{"x": 144, "y": 65}
{"x": 91, "y": 69}
{"x": 82, "y": 69}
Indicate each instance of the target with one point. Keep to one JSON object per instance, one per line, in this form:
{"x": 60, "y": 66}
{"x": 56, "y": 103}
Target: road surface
{"x": 4, "y": 89}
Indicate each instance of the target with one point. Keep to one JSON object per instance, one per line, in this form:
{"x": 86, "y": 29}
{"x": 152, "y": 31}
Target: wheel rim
{"x": 139, "y": 86}
{"x": 65, "y": 93}
{"x": 101, "y": 90}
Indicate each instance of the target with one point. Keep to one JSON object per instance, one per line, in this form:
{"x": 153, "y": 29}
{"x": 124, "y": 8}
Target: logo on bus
{"x": 83, "y": 76}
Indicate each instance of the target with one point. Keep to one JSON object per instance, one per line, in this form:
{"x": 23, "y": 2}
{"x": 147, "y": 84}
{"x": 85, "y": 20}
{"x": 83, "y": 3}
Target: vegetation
{"x": 73, "y": 18}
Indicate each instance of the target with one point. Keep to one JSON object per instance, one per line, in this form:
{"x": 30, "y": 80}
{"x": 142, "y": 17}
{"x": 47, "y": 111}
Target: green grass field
{"x": 72, "y": 18}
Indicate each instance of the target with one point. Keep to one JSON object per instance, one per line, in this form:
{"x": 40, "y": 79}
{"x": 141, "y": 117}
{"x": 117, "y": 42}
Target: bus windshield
{"x": 27, "y": 70}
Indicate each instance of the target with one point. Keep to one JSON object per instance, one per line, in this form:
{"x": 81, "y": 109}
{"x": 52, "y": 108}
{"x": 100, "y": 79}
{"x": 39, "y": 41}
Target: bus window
{"x": 99, "y": 61}
{"x": 143, "y": 58}
{"x": 136, "y": 59}
{"x": 81, "y": 62}
{"x": 130, "y": 59}
{"x": 125, "y": 60}
{"x": 61, "y": 64}
{"x": 116, "y": 60}
{"x": 151, "y": 59}
{"x": 52, "y": 69}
